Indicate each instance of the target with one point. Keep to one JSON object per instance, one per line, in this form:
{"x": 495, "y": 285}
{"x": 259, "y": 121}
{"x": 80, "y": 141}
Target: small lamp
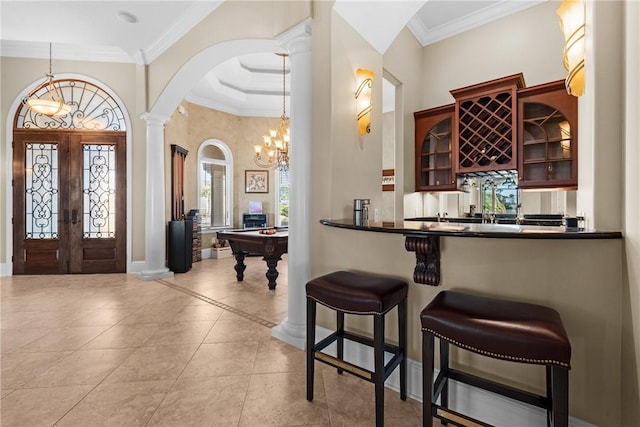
{"x": 364, "y": 80}
{"x": 572, "y": 23}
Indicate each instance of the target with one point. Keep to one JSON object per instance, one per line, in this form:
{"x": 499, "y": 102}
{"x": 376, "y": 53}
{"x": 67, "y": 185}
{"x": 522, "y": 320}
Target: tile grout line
{"x": 219, "y": 304}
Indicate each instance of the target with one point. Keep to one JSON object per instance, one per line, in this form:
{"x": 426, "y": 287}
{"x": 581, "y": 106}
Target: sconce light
{"x": 364, "y": 80}
{"x": 572, "y": 23}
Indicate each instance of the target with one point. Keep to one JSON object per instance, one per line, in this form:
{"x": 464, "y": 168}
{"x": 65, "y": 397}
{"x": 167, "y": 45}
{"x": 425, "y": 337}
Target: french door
{"x": 69, "y": 201}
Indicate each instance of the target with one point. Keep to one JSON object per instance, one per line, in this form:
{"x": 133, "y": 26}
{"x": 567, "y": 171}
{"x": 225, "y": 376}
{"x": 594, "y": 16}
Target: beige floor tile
{"x": 222, "y": 359}
{"x": 124, "y": 336}
{"x": 13, "y": 339}
{"x": 199, "y": 312}
{"x": 206, "y": 402}
{"x": 153, "y": 313}
{"x": 153, "y": 364}
{"x": 18, "y": 368}
{"x": 100, "y": 317}
{"x": 180, "y": 333}
{"x": 280, "y": 400}
{"x": 5, "y": 392}
{"x": 277, "y": 356}
{"x": 84, "y": 367}
{"x": 131, "y": 404}
{"x": 231, "y": 327}
{"x": 70, "y": 338}
{"x": 39, "y": 406}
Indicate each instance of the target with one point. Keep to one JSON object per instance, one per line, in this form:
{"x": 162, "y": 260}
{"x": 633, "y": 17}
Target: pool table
{"x": 270, "y": 246}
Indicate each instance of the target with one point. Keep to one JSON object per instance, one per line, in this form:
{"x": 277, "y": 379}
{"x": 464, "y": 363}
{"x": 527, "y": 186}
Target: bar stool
{"x": 501, "y": 329}
{"x": 353, "y": 293}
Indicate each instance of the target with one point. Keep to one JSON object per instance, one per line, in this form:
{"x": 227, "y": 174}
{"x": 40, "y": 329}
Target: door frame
{"x": 6, "y": 268}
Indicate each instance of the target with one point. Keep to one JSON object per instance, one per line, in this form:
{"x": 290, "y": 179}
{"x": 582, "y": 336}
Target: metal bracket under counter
{"x": 427, "y": 249}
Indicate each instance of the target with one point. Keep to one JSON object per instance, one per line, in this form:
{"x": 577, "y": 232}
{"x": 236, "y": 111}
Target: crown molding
{"x": 489, "y": 14}
{"x": 25, "y": 49}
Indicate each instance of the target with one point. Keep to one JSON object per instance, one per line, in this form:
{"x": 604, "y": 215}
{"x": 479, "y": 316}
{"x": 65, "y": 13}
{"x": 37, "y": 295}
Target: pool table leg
{"x": 272, "y": 273}
{"x": 240, "y": 265}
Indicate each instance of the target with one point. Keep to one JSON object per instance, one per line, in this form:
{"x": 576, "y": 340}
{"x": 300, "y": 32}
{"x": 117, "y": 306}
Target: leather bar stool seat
{"x": 359, "y": 294}
{"x": 501, "y": 329}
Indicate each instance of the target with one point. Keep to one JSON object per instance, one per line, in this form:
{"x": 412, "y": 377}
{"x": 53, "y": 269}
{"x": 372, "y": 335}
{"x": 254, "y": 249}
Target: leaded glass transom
{"x": 91, "y": 109}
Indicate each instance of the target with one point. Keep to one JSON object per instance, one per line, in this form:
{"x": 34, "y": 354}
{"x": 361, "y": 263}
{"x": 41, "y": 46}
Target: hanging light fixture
{"x": 274, "y": 152}
{"x": 51, "y": 104}
{"x": 572, "y": 22}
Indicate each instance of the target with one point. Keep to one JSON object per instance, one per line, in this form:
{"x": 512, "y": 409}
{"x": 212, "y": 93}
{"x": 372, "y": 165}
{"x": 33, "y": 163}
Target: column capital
{"x": 153, "y": 119}
{"x": 298, "y": 39}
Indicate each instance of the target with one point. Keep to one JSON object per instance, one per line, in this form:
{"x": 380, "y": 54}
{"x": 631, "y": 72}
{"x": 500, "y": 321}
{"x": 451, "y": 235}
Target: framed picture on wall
{"x": 256, "y": 181}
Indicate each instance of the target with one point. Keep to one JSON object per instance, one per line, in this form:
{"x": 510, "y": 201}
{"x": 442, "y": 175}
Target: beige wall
{"x": 240, "y": 134}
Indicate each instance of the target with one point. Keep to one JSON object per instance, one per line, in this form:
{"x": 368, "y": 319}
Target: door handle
{"x": 65, "y": 216}
{"x": 74, "y": 216}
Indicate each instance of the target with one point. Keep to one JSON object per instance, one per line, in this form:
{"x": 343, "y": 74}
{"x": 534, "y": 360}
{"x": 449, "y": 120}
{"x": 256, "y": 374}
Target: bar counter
{"x": 423, "y": 238}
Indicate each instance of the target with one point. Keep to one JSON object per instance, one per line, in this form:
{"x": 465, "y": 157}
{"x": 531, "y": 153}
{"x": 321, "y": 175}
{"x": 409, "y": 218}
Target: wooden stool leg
{"x": 427, "y": 378}
{"x": 378, "y": 374}
{"x": 549, "y": 394}
{"x": 560, "y": 396}
{"x": 340, "y": 339}
{"x": 402, "y": 343}
{"x": 444, "y": 369}
{"x": 311, "y": 342}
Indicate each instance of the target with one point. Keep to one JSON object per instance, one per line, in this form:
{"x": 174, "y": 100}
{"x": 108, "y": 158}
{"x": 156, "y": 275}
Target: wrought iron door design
{"x": 69, "y": 202}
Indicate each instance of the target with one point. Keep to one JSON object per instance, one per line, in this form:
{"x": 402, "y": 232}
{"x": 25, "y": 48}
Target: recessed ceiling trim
{"x": 492, "y": 13}
{"x": 226, "y": 107}
{"x": 249, "y": 91}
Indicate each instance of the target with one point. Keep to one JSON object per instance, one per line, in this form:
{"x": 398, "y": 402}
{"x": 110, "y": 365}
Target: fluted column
{"x": 155, "y": 224}
{"x": 298, "y": 43}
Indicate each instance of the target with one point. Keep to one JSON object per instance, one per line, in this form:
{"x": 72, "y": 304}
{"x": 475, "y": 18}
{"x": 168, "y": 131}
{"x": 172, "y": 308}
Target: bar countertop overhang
{"x": 456, "y": 229}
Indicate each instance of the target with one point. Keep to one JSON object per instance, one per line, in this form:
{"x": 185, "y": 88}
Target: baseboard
{"x": 136, "y": 267}
{"x": 478, "y": 403}
{"x": 6, "y": 269}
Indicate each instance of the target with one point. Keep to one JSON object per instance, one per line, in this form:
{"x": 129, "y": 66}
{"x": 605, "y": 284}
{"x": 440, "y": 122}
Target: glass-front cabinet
{"x": 547, "y": 137}
{"x": 434, "y": 165}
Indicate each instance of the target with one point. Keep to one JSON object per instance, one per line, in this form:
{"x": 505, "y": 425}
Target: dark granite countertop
{"x": 457, "y": 229}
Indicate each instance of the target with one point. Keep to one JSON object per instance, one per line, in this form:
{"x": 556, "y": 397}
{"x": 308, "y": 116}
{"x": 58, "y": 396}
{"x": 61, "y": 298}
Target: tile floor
{"x": 193, "y": 350}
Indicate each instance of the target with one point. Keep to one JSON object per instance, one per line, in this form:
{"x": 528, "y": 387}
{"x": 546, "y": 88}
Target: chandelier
{"x": 274, "y": 152}
{"x": 51, "y": 104}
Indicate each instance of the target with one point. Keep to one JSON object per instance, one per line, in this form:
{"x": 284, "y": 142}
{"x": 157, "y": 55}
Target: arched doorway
{"x": 69, "y": 184}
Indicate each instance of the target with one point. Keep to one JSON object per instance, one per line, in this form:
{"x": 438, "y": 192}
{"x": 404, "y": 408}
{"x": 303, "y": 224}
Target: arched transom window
{"x": 91, "y": 109}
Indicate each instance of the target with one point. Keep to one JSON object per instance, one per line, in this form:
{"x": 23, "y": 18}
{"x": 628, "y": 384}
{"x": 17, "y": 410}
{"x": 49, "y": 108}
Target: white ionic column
{"x": 155, "y": 224}
{"x": 298, "y": 42}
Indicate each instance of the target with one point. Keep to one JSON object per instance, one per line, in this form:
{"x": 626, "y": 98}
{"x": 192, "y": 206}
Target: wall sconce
{"x": 364, "y": 80}
{"x": 572, "y": 23}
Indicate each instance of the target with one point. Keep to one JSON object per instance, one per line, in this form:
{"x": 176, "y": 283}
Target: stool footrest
{"x": 446, "y": 414}
{"x": 349, "y": 367}
{"x": 502, "y": 389}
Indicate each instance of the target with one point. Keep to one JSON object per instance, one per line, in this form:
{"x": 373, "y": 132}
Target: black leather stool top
{"x": 516, "y": 331}
{"x": 356, "y": 293}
